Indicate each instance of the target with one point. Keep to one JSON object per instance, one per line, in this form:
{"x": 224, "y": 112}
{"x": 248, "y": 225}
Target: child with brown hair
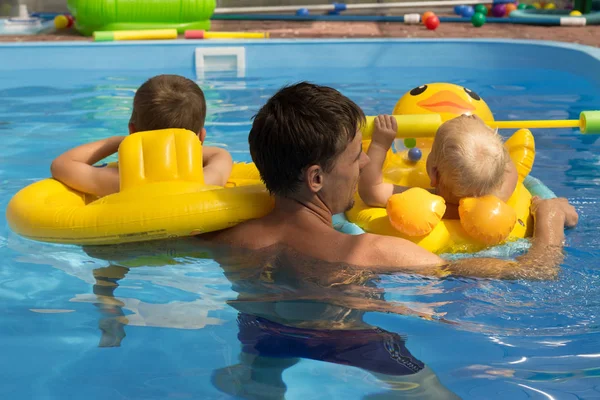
{"x": 162, "y": 102}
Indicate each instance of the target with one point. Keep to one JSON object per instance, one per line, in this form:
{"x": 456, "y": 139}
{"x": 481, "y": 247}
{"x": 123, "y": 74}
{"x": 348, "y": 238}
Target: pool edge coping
{"x": 590, "y": 50}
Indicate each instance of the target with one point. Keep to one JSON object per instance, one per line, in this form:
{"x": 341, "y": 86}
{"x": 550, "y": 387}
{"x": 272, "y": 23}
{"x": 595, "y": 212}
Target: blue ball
{"x": 302, "y": 12}
{"x": 468, "y": 11}
{"x": 414, "y": 154}
{"x": 458, "y": 10}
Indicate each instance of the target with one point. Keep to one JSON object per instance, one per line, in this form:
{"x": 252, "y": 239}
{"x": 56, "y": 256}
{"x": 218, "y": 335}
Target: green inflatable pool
{"x": 554, "y": 17}
{"x": 117, "y": 15}
{"x": 589, "y": 8}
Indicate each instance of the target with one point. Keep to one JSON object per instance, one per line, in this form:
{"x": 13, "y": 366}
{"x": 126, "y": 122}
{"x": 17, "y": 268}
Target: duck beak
{"x": 446, "y": 101}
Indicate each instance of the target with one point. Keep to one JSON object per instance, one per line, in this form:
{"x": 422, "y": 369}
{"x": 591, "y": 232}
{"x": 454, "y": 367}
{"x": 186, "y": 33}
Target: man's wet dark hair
{"x": 301, "y": 125}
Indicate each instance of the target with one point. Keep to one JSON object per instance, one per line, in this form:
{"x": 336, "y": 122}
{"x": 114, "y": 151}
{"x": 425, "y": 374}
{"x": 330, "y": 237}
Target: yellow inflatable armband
{"x": 416, "y": 211}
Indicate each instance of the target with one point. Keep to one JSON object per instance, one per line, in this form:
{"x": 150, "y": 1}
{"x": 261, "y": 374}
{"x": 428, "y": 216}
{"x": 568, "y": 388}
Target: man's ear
{"x": 131, "y": 128}
{"x": 314, "y": 178}
{"x": 202, "y": 135}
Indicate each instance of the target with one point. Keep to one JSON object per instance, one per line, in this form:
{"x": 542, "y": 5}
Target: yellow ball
{"x": 537, "y": 5}
{"x": 550, "y": 6}
{"x": 575, "y": 13}
{"x": 61, "y": 22}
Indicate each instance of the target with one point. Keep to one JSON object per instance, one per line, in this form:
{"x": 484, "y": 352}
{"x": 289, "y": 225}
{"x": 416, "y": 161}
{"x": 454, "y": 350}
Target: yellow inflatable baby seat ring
{"x": 163, "y": 195}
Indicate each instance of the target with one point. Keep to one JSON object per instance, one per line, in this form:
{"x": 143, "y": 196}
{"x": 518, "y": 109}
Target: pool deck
{"x": 589, "y": 35}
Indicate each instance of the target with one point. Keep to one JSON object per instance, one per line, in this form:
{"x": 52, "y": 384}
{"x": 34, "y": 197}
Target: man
{"x": 306, "y": 144}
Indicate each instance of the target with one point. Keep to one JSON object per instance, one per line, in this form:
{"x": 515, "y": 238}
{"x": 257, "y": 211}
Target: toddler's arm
{"x": 371, "y": 188}
{"x": 217, "y": 163}
{"x": 75, "y": 167}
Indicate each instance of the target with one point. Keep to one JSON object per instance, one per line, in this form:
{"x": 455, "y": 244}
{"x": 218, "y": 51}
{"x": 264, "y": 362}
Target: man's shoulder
{"x": 246, "y": 234}
{"x": 379, "y": 242}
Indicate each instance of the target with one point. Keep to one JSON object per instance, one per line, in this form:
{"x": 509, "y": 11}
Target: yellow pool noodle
{"x": 202, "y": 34}
{"x": 145, "y": 34}
{"x": 409, "y": 126}
{"x": 426, "y": 125}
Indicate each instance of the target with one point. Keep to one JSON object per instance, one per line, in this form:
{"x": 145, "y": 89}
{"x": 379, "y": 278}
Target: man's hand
{"x": 557, "y": 209}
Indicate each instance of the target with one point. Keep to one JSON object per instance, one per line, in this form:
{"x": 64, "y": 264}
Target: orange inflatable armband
{"x": 487, "y": 219}
{"x": 416, "y": 211}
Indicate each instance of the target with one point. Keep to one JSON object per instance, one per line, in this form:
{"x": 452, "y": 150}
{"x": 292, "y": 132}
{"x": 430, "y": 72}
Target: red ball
{"x": 432, "y": 22}
{"x": 70, "y": 19}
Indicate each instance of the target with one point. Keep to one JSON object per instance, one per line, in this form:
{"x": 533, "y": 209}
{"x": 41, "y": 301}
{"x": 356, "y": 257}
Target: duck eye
{"x": 418, "y": 90}
{"x": 473, "y": 95}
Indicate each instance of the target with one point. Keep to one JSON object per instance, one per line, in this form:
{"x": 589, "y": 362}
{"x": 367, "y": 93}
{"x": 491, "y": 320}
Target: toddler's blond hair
{"x": 470, "y": 157}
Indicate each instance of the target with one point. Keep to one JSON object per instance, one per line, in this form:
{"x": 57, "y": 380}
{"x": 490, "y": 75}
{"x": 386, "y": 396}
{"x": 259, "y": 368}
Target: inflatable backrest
{"x": 521, "y": 147}
{"x": 160, "y": 156}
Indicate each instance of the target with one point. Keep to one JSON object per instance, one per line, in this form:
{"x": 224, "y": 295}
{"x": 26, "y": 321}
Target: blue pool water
{"x": 62, "y": 327}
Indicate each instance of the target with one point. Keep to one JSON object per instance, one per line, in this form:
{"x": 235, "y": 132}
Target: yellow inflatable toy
{"x": 417, "y": 214}
{"x": 442, "y": 101}
{"x": 162, "y": 195}
{"x": 445, "y": 99}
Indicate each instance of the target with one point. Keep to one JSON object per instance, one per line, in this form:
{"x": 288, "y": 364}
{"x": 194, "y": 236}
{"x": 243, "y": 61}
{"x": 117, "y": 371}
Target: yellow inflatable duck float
{"x": 417, "y": 214}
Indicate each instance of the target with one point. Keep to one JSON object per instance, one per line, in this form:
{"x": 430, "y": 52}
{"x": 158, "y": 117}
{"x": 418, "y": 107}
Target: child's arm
{"x": 371, "y": 188}
{"x": 75, "y": 167}
{"x": 217, "y": 163}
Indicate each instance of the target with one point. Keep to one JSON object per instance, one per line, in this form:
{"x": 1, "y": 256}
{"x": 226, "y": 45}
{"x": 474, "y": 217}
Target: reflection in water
{"x": 292, "y": 308}
{"x": 116, "y": 312}
{"x": 289, "y": 308}
{"x": 112, "y": 317}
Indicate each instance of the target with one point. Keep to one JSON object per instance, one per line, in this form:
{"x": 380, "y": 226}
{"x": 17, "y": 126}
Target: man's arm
{"x": 217, "y": 165}
{"x": 542, "y": 260}
{"x": 75, "y": 167}
{"x": 540, "y": 263}
{"x": 389, "y": 254}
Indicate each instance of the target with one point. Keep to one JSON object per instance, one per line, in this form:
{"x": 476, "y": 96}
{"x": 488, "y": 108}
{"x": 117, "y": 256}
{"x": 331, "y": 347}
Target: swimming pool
{"x": 518, "y": 340}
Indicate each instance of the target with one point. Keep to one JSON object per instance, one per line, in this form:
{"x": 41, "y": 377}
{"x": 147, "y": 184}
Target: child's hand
{"x": 384, "y": 131}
